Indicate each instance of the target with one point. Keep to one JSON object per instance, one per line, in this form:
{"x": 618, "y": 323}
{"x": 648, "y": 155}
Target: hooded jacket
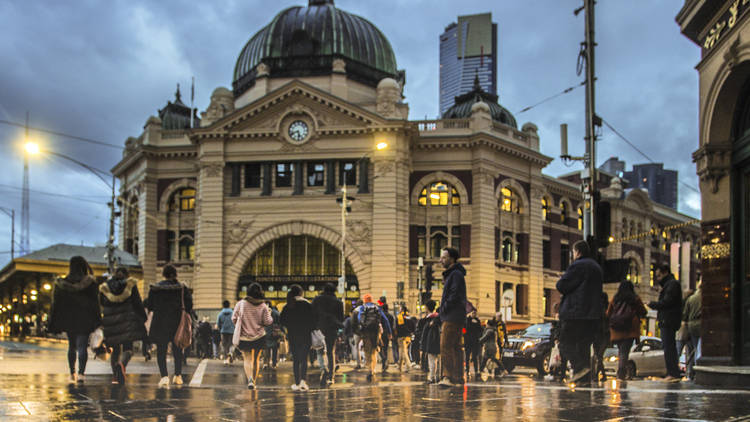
{"x": 299, "y": 319}
{"x": 489, "y": 339}
{"x": 249, "y": 317}
{"x": 75, "y": 306}
{"x": 224, "y": 321}
{"x": 430, "y": 341}
{"x": 581, "y": 289}
{"x": 330, "y": 313}
{"x": 453, "y": 302}
{"x": 669, "y": 305}
{"x": 122, "y": 311}
{"x": 164, "y": 299}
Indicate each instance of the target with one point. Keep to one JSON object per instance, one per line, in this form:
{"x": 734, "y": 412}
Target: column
{"x": 147, "y": 202}
{"x": 209, "y": 286}
{"x": 481, "y": 274}
{"x": 536, "y": 263}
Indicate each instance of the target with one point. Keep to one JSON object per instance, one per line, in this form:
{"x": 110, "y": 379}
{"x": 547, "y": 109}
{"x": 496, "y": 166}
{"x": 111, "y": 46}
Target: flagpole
{"x": 192, "y": 97}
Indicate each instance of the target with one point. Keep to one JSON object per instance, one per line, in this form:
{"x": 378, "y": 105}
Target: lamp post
{"x": 12, "y": 214}
{"x": 345, "y": 202}
{"x": 33, "y": 149}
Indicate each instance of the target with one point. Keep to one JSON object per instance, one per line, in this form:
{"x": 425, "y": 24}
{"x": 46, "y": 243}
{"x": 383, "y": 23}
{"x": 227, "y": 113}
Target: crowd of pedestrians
{"x": 446, "y": 341}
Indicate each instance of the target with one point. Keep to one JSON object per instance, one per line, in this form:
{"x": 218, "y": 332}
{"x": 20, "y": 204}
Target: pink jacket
{"x": 249, "y": 318}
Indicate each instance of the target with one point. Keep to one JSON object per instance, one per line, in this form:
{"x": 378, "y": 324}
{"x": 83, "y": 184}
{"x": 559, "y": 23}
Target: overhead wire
{"x": 65, "y": 135}
{"x": 563, "y": 92}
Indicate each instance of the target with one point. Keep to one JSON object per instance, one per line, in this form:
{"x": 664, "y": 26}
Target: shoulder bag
{"x": 183, "y": 337}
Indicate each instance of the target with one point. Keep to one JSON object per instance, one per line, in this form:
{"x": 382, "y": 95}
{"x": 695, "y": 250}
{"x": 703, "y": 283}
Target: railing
{"x": 174, "y": 134}
{"x": 430, "y": 125}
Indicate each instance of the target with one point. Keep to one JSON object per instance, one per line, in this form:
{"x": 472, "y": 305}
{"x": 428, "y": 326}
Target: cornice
{"x": 473, "y": 141}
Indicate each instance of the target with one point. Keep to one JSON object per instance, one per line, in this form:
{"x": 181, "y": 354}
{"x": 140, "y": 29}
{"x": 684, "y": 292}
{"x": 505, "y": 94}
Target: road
{"x": 33, "y": 386}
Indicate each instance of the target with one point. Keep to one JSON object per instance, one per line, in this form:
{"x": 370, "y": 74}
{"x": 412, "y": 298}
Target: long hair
{"x": 291, "y": 296}
{"x": 625, "y": 293}
{"x": 78, "y": 269}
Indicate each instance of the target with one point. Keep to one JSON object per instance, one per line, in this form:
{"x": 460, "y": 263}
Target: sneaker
{"x": 80, "y": 379}
{"x": 369, "y": 377}
{"x": 323, "y": 378}
{"x": 577, "y": 376}
{"x": 177, "y": 380}
{"x": 226, "y": 362}
{"x": 121, "y": 373}
{"x": 164, "y": 382}
{"x": 231, "y": 359}
{"x": 72, "y": 379}
{"x": 429, "y": 381}
{"x": 445, "y": 382}
{"x": 303, "y": 386}
{"x": 295, "y": 387}
{"x": 250, "y": 384}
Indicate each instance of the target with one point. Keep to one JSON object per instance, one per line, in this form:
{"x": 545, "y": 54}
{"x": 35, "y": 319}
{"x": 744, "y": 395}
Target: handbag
{"x": 183, "y": 337}
{"x": 555, "y": 360}
{"x": 318, "y": 340}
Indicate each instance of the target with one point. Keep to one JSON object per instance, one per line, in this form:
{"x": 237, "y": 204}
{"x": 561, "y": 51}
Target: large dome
{"x": 465, "y": 103}
{"x": 304, "y": 41}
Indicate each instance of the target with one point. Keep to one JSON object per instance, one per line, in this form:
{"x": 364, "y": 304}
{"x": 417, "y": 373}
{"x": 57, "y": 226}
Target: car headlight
{"x": 613, "y": 359}
{"x": 527, "y": 344}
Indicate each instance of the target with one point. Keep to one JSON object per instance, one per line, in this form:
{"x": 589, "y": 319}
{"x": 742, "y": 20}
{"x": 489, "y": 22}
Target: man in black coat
{"x": 669, "y": 315}
{"x": 453, "y": 317}
{"x": 580, "y": 309}
{"x": 471, "y": 342}
{"x": 330, "y": 311}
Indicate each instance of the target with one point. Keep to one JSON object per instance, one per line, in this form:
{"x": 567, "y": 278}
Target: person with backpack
{"x": 387, "y": 338}
{"x": 226, "y": 330}
{"x": 489, "y": 341}
{"x": 123, "y": 318}
{"x": 371, "y": 320}
{"x": 274, "y": 334}
{"x": 431, "y": 342}
{"x": 300, "y": 319}
{"x": 250, "y": 316}
{"x": 330, "y": 311}
{"x": 167, "y": 299}
{"x": 624, "y": 314}
{"x": 471, "y": 342}
{"x": 204, "y": 339}
{"x": 75, "y": 311}
{"x": 404, "y": 329}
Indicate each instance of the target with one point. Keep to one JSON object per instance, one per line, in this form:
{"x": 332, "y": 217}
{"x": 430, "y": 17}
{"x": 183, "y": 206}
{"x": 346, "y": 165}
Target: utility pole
{"x": 25, "y": 196}
{"x": 589, "y": 175}
{"x": 12, "y": 215}
{"x": 342, "y": 263}
{"x": 111, "y": 237}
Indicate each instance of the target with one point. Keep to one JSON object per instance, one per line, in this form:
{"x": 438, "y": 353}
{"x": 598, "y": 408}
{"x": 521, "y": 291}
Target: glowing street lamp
{"x": 31, "y": 147}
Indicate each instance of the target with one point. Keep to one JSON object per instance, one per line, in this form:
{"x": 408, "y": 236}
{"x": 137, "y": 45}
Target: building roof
{"x": 176, "y": 115}
{"x": 304, "y": 41}
{"x": 92, "y": 254}
{"x": 464, "y": 103}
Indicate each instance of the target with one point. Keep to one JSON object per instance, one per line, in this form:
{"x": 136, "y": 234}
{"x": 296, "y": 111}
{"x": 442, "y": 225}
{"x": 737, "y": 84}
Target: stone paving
{"x": 43, "y": 394}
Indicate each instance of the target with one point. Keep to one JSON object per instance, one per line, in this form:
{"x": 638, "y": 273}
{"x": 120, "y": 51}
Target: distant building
{"x": 467, "y": 49}
{"x": 661, "y": 184}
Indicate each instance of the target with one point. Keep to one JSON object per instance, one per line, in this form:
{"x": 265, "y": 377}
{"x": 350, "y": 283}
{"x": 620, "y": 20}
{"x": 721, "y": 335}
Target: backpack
{"x": 622, "y": 317}
{"x": 369, "y": 319}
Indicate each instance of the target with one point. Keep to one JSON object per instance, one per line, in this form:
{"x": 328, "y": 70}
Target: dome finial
{"x": 177, "y": 95}
{"x": 320, "y": 2}
{"x": 477, "y": 86}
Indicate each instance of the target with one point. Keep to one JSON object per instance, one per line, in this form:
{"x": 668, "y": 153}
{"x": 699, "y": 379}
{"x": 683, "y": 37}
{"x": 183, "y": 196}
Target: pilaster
{"x": 480, "y": 287}
{"x": 147, "y": 201}
{"x": 209, "y": 286}
{"x": 536, "y": 262}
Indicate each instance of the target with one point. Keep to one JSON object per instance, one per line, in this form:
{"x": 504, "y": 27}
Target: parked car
{"x": 529, "y": 348}
{"x": 646, "y": 359}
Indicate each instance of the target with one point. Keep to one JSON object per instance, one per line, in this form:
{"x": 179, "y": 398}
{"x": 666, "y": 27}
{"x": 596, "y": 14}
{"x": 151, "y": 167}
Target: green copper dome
{"x": 461, "y": 109}
{"x": 304, "y": 41}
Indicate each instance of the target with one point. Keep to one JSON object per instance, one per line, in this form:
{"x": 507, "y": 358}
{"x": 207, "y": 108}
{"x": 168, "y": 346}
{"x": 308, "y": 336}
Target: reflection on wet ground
{"x": 397, "y": 397}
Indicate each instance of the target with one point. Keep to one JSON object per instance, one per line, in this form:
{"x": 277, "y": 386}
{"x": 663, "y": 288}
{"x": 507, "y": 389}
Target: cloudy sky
{"x": 98, "y": 69}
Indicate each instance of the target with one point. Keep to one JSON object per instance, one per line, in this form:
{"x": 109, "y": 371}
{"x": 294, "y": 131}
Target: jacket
{"x": 405, "y": 325}
{"x": 273, "y": 336}
{"x": 224, "y": 321}
{"x": 250, "y": 315}
{"x": 473, "y": 331}
{"x": 453, "y": 302}
{"x": 299, "y": 319}
{"x": 123, "y": 315}
{"x": 669, "y": 305}
{"x": 164, "y": 300}
{"x": 635, "y": 327}
{"x": 75, "y": 306}
{"x": 581, "y": 289}
{"x": 430, "y": 342}
{"x": 489, "y": 339}
{"x": 691, "y": 313}
{"x": 330, "y": 311}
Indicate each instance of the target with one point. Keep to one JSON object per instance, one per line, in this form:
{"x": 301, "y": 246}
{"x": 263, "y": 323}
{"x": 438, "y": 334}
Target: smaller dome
{"x": 465, "y": 103}
{"x": 221, "y": 92}
{"x": 389, "y": 83}
{"x": 479, "y": 107}
{"x": 176, "y": 115}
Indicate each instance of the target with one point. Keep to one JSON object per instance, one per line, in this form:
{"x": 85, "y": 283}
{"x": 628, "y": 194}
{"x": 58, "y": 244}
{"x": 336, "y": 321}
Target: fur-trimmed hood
{"x": 167, "y": 285}
{"x": 123, "y": 295}
{"x": 77, "y": 286}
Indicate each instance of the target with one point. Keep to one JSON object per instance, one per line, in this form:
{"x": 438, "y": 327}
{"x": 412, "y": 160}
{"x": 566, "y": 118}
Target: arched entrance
{"x": 301, "y": 259}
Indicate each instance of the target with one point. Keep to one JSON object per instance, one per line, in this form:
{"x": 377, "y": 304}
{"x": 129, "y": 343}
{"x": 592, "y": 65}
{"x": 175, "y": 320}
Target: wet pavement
{"x": 33, "y": 386}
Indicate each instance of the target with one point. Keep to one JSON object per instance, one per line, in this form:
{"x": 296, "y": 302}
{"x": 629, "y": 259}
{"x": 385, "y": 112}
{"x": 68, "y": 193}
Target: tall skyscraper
{"x": 660, "y": 183}
{"x": 468, "y": 48}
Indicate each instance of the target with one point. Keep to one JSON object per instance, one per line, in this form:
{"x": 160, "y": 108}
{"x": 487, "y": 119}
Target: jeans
{"x": 403, "y": 354}
{"x": 124, "y": 349}
{"x": 272, "y": 356}
{"x": 300, "y": 348}
{"x": 623, "y": 355}
{"x": 670, "y": 349}
{"x": 451, "y": 351}
{"x": 384, "y": 351}
{"x": 330, "y": 353}
{"x": 692, "y": 353}
{"x": 161, "y": 358}
{"x": 433, "y": 362}
{"x": 77, "y": 344}
{"x": 226, "y": 345}
{"x": 356, "y": 355}
{"x": 576, "y": 337}
{"x": 370, "y": 344}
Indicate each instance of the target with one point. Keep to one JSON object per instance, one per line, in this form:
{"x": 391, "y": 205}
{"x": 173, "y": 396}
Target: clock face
{"x": 298, "y": 130}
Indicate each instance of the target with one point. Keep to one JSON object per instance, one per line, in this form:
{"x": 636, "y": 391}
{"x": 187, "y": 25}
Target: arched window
{"x": 509, "y": 251}
{"x": 624, "y": 231}
{"x": 438, "y": 240}
{"x": 183, "y": 200}
{"x": 187, "y": 246}
{"x": 580, "y": 218}
{"x": 563, "y": 212}
{"x": 509, "y": 201}
{"x": 545, "y": 209}
{"x": 634, "y": 274}
{"x": 439, "y": 194}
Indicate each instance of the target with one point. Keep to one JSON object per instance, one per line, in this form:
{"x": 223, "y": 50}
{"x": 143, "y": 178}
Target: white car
{"x": 646, "y": 359}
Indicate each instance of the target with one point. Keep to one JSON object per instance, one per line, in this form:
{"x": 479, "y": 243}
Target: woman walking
{"x": 300, "y": 320}
{"x": 624, "y": 313}
{"x": 75, "y": 310}
{"x": 166, "y": 299}
{"x": 123, "y": 318}
{"x": 250, "y": 316}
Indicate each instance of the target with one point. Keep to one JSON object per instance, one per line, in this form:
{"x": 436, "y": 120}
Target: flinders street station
{"x": 250, "y": 189}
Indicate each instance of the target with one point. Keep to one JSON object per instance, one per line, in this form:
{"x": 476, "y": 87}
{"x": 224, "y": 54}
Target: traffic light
{"x": 602, "y": 222}
{"x": 428, "y": 277}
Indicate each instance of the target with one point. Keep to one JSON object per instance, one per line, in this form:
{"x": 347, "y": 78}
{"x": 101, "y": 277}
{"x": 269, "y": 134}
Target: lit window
{"x": 634, "y": 274}
{"x": 187, "y": 199}
{"x": 563, "y": 212}
{"x": 509, "y": 201}
{"x": 187, "y": 246}
{"x": 439, "y": 194}
{"x": 545, "y": 209}
{"x": 580, "y": 218}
